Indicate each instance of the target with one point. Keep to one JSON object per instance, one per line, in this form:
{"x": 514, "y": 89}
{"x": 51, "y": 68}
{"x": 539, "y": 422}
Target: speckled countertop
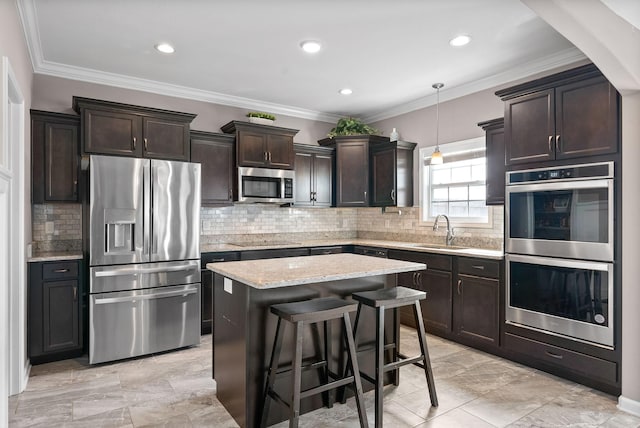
{"x": 288, "y": 271}
{"x": 411, "y": 246}
{"x": 53, "y": 256}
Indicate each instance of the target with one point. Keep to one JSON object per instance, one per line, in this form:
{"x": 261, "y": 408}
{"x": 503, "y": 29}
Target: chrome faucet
{"x": 450, "y": 232}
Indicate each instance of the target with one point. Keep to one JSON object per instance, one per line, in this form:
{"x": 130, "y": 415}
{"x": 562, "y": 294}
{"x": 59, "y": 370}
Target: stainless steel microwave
{"x": 265, "y": 185}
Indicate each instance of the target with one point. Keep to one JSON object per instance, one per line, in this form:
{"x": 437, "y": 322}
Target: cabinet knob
{"x": 478, "y": 267}
{"x": 134, "y": 143}
{"x": 266, "y": 157}
{"x": 393, "y": 195}
{"x": 459, "y": 285}
{"x": 146, "y": 144}
{"x": 61, "y": 270}
{"x": 550, "y": 140}
{"x": 558, "y": 143}
{"x": 75, "y": 293}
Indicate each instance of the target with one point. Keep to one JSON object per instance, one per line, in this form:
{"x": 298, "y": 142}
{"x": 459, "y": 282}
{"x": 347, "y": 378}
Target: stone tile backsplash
{"x": 65, "y": 227}
{"x": 254, "y": 223}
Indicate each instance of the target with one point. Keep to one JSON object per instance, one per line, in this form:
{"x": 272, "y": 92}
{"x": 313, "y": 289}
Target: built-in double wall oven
{"x": 559, "y": 246}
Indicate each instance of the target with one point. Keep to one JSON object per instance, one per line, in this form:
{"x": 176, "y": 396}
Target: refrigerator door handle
{"x": 133, "y": 299}
{"x": 123, "y": 272}
{"x": 151, "y": 212}
{"x": 146, "y": 195}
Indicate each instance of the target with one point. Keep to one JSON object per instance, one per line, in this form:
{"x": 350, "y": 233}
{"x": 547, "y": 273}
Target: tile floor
{"x": 175, "y": 390}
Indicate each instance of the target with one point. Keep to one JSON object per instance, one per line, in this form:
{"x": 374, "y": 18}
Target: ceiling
{"x": 247, "y": 54}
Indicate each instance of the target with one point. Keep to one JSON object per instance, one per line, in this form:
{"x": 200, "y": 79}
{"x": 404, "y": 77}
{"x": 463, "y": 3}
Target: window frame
{"x": 458, "y": 151}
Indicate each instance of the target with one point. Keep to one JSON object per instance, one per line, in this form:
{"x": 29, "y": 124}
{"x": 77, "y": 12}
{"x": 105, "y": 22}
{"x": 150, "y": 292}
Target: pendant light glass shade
{"x": 436, "y": 156}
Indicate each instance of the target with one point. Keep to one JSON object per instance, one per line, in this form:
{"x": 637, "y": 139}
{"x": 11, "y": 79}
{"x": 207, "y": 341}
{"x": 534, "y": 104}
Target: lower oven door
{"x": 571, "y": 298}
{"x": 126, "y": 324}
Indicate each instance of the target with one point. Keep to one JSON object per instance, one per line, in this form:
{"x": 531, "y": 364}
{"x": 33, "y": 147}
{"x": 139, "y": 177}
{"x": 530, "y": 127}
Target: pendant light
{"x": 436, "y": 156}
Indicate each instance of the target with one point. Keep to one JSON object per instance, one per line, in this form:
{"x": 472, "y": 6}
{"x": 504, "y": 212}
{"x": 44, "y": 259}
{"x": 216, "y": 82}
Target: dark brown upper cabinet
{"x": 495, "y": 155}
{"x": 314, "y": 176}
{"x": 54, "y": 157}
{"x": 392, "y": 174}
{"x": 262, "y": 146}
{"x": 111, "y": 128}
{"x": 216, "y": 154}
{"x": 568, "y": 115}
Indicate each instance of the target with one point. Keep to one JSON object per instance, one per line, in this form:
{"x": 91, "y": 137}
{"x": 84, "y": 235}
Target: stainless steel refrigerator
{"x": 144, "y": 256}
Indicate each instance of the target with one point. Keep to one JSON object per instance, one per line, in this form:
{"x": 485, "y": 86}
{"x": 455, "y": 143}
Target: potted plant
{"x": 351, "y": 126}
{"x": 261, "y": 118}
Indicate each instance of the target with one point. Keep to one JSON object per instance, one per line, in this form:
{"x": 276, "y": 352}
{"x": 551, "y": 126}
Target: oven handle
{"x": 554, "y": 261}
{"x": 133, "y": 299}
{"x": 602, "y": 183}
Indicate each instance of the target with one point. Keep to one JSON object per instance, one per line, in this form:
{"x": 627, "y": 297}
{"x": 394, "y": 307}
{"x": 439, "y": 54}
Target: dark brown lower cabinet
{"x": 206, "y": 278}
{"x": 54, "y": 311}
{"x": 477, "y": 296}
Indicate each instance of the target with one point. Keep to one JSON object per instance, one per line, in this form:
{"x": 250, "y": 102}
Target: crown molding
{"x": 27, "y": 12}
{"x": 550, "y": 62}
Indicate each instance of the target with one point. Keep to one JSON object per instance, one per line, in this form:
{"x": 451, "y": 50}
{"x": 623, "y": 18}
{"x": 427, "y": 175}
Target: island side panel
{"x": 229, "y": 346}
{"x": 261, "y": 327}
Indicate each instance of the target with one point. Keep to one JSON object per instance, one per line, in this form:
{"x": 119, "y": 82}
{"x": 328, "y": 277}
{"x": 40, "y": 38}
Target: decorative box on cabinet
{"x": 567, "y": 115}
{"x": 496, "y": 169}
{"x": 262, "y": 146}
{"x": 54, "y": 326}
{"x": 314, "y": 175}
{"x": 54, "y": 157}
{"x": 216, "y": 154}
{"x": 112, "y": 128}
{"x": 392, "y": 174}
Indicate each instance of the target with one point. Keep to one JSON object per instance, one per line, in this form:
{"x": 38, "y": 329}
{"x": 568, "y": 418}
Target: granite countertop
{"x": 288, "y": 271}
{"x": 54, "y": 256}
{"x": 396, "y": 245}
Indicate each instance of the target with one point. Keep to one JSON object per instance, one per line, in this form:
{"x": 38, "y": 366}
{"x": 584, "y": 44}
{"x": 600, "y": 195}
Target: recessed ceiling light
{"x": 165, "y": 48}
{"x": 310, "y": 46}
{"x": 345, "y": 91}
{"x": 460, "y": 40}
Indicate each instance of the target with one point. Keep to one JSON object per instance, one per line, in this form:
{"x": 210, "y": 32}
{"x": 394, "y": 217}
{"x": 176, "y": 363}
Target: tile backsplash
{"x": 58, "y": 227}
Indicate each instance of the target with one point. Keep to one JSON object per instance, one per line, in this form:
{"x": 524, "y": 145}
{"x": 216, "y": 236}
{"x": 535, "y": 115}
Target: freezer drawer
{"x": 130, "y": 323}
{"x": 144, "y": 275}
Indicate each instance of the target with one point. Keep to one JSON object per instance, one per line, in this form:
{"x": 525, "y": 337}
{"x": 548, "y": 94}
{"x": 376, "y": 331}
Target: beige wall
{"x": 55, "y": 94}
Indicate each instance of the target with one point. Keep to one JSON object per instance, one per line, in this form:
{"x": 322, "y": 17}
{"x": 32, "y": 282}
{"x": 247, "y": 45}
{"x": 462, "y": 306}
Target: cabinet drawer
{"x": 59, "y": 270}
{"x": 326, "y": 250}
{"x": 587, "y": 365}
{"x": 408, "y": 256}
{"x": 228, "y": 256}
{"x": 479, "y": 267}
{"x": 438, "y": 261}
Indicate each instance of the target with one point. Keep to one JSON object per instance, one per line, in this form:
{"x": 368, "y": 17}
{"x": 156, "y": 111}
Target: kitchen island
{"x": 244, "y": 328}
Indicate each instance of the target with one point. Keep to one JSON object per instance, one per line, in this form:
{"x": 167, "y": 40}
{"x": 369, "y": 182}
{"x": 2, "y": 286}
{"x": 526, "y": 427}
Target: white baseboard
{"x": 628, "y": 405}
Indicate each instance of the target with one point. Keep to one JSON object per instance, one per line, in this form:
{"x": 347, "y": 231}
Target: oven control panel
{"x": 582, "y": 172}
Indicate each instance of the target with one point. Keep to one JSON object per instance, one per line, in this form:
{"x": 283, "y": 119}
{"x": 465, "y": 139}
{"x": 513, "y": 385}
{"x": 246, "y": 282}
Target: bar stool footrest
{"x": 397, "y": 364}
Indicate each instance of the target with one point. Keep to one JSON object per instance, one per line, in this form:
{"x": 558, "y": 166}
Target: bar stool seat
{"x": 380, "y": 300}
{"x": 311, "y": 312}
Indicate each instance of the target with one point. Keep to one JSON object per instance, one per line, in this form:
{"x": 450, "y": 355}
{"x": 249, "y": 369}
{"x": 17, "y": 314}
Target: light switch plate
{"x": 48, "y": 227}
{"x": 228, "y": 285}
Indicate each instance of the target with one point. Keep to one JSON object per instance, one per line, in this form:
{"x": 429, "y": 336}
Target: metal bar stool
{"x": 299, "y": 313}
{"x": 392, "y": 298}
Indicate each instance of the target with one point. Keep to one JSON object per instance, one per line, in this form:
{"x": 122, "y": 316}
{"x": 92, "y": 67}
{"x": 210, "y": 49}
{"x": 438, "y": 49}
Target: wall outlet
{"x": 48, "y": 227}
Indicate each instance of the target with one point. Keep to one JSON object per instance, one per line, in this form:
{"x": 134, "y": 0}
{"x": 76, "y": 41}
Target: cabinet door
{"x": 251, "y": 149}
{"x": 206, "y": 302}
{"x": 60, "y": 316}
{"x": 476, "y": 313}
{"x": 217, "y": 166}
{"x": 437, "y": 308}
{"x": 304, "y": 179}
{"x": 61, "y": 162}
{"x": 409, "y": 280}
{"x": 280, "y": 151}
{"x": 383, "y": 177}
{"x": 165, "y": 139}
{"x": 322, "y": 178}
{"x": 586, "y": 119}
{"x": 529, "y": 128}
{"x": 112, "y": 133}
{"x": 495, "y": 167}
{"x": 352, "y": 174}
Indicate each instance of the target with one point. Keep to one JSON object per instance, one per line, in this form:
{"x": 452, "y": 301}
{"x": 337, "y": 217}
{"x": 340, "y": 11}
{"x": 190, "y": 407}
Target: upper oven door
{"x": 571, "y": 219}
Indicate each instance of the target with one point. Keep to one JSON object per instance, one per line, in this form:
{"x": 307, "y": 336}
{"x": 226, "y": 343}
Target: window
{"x": 457, "y": 188}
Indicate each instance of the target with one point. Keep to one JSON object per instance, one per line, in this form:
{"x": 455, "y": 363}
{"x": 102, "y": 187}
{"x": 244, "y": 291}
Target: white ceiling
{"x": 246, "y": 53}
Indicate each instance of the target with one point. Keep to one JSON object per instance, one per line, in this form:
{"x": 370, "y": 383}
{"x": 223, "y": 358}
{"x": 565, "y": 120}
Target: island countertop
{"x": 288, "y": 271}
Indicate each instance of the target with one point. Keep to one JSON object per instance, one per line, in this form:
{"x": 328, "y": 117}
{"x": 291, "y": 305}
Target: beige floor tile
{"x": 456, "y": 418}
